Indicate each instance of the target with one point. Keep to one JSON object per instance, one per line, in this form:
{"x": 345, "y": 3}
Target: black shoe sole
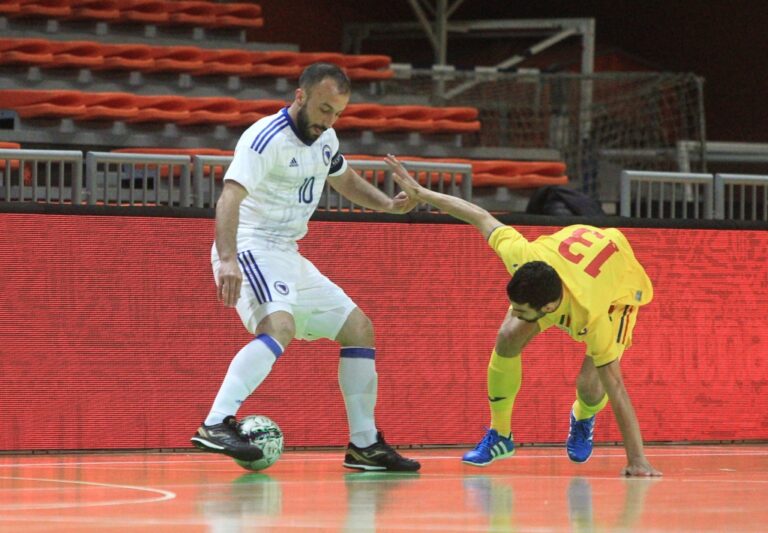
{"x": 375, "y": 468}
{"x": 199, "y": 444}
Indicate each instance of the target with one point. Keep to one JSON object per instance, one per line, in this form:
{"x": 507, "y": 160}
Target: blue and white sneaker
{"x": 492, "y": 447}
{"x": 579, "y": 443}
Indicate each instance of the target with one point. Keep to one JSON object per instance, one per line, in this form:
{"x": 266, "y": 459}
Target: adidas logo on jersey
{"x": 293, "y": 163}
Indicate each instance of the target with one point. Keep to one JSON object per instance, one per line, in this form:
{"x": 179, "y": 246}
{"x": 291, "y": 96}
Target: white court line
{"x": 331, "y": 456}
{"x": 164, "y": 495}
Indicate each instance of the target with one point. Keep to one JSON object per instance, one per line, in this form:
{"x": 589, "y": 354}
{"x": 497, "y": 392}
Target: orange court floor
{"x": 704, "y": 489}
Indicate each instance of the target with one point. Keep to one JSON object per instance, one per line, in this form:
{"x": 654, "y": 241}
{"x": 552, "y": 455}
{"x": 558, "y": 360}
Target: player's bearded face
{"x": 309, "y": 131}
{"x": 527, "y": 313}
{"x": 532, "y": 319}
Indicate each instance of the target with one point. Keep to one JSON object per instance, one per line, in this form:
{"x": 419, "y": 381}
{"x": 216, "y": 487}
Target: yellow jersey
{"x": 599, "y": 272}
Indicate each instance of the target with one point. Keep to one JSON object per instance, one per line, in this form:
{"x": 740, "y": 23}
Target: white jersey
{"x": 284, "y": 178}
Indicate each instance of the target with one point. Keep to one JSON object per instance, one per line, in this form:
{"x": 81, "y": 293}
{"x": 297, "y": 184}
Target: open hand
{"x": 640, "y": 468}
{"x": 228, "y": 283}
{"x": 402, "y": 203}
{"x": 402, "y": 178}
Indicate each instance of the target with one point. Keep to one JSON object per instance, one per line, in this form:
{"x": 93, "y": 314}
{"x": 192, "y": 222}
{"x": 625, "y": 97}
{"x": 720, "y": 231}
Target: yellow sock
{"x": 504, "y": 377}
{"x": 582, "y": 411}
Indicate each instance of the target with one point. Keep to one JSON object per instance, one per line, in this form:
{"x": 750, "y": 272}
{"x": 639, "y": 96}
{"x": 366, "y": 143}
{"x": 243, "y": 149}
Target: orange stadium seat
{"x": 9, "y": 8}
{"x": 362, "y": 116}
{"x": 227, "y": 62}
{"x": 30, "y": 104}
{"x": 276, "y": 63}
{"x": 523, "y": 181}
{"x": 456, "y": 119}
{"x": 77, "y": 54}
{"x": 308, "y": 58}
{"x": 26, "y": 52}
{"x": 367, "y": 61}
{"x": 185, "y": 59}
{"x": 128, "y": 57}
{"x": 213, "y": 110}
{"x": 161, "y": 109}
{"x": 239, "y": 15}
{"x": 144, "y": 11}
{"x": 106, "y": 10}
{"x": 494, "y": 173}
{"x": 177, "y": 58}
{"x": 368, "y": 67}
{"x": 252, "y": 110}
{"x": 109, "y": 106}
{"x": 44, "y": 8}
{"x": 407, "y": 117}
{"x": 195, "y": 13}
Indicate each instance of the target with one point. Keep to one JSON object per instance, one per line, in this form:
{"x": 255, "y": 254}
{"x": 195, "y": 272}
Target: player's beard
{"x": 305, "y": 128}
{"x": 539, "y": 315}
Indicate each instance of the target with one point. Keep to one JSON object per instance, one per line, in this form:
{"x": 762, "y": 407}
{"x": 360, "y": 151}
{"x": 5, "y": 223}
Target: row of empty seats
{"x": 191, "y": 60}
{"x": 131, "y": 108}
{"x": 485, "y": 173}
{"x": 162, "y": 12}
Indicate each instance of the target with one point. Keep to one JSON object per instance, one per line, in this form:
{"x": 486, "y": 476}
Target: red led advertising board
{"x": 111, "y": 336}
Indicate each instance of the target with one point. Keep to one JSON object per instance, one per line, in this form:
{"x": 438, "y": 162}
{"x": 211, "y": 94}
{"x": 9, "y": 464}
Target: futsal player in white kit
{"x": 270, "y": 191}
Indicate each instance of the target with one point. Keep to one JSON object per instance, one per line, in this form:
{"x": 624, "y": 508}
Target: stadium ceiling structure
{"x": 432, "y": 20}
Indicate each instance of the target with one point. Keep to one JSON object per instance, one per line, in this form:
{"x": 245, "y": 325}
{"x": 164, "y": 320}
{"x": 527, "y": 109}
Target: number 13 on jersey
{"x": 588, "y": 238}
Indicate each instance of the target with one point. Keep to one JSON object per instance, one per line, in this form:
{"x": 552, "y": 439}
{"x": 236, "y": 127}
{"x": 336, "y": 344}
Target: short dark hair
{"x": 317, "y": 72}
{"x": 535, "y": 284}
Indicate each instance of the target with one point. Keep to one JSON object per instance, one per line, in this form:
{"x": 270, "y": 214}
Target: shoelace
{"x": 581, "y": 429}
{"x": 487, "y": 441}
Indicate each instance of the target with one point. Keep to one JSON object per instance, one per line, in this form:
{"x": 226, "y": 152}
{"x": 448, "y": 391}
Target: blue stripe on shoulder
{"x": 266, "y": 140}
{"x": 265, "y": 130}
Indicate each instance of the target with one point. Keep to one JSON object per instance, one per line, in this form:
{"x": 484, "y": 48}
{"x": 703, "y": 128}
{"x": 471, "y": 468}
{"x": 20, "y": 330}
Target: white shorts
{"x": 287, "y": 281}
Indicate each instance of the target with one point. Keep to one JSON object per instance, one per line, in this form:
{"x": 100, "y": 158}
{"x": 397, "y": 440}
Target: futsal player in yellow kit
{"x": 581, "y": 279}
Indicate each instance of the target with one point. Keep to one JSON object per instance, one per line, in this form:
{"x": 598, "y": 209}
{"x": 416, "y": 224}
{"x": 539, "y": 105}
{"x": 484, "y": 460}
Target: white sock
{"x": 246, "y": 372}
{"x": 359, "y": 382}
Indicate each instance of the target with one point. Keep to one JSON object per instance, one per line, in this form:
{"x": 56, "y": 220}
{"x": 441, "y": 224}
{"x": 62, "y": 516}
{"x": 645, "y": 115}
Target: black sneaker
{"x": 224, "y": 438}
{"x": 378, "y": 456}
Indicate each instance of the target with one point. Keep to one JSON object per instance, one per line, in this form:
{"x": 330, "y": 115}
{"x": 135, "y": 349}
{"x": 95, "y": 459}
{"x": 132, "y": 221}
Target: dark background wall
{"x": 724, "y": 42}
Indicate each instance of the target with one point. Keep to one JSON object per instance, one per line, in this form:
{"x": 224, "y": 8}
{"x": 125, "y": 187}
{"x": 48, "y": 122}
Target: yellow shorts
{"x": 623, "y": 318}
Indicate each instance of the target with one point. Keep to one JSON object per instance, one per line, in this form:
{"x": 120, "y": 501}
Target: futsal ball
{"x": 263, "y": 433}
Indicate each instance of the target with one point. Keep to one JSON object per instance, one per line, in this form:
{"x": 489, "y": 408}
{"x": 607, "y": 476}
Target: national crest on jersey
{"x": 284, "y": 178}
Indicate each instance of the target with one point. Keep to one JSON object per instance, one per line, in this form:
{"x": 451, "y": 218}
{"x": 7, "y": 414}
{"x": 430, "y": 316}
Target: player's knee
{"x": 279, "y": 326}
{"x": 357, "y": 330}
{"x": 509, "y": 343}
{"x": 589, "y": 387}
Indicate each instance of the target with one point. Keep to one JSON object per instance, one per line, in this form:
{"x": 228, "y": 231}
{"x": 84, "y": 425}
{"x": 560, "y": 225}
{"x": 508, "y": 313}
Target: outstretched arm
{"x": 355, "y": 188}
{"x": 456, "y": 207}
{"x": 637, "y": 464}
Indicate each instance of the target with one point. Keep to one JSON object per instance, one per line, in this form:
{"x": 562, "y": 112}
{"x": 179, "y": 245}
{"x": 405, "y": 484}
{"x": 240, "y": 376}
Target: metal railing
{"x": 41, "y": 176}
{"x": 676, "y": 194}
{"x": 451, "y": 178}
{"x": 752, "y": 204}
{"x": 138, "y": 179}
{"x": 132, "y": 179}
{"x": 208, "y": 177}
